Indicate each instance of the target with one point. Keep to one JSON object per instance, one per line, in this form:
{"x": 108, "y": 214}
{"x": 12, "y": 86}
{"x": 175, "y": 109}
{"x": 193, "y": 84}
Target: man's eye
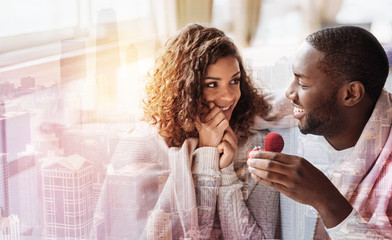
{"x": 211, "y": 84}
{"x": 302, "y": 85}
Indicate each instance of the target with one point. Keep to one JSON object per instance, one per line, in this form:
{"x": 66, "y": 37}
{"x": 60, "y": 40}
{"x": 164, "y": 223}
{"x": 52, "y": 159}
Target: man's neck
{"x": 356, "y": 120}
{"x": 344, "y": 141}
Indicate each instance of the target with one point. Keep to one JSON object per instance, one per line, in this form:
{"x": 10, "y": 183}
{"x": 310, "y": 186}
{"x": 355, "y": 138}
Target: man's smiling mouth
{"x": 298, "y": 112}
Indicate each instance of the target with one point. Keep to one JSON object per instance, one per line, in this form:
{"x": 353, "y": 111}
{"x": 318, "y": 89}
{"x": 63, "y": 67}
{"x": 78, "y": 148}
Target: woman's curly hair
{"x": 174, "y": 91}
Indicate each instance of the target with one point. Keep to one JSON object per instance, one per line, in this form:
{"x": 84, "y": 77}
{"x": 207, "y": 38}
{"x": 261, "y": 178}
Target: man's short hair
{"x": 352, "y": 54}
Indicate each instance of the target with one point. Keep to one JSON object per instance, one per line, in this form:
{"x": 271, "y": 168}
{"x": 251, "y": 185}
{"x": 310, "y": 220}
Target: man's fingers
{"x": 273, "y": 177}
{"x": 277, "y": 186}
{"x": 269, "y": 165}
{"x": 279, "y": 157}
{"x": 261, "y": 180}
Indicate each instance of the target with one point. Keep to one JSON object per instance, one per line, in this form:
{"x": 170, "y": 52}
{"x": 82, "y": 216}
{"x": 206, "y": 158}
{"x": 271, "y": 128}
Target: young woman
{"x": 189, "y": 155}
{"x": 202, "y": 102}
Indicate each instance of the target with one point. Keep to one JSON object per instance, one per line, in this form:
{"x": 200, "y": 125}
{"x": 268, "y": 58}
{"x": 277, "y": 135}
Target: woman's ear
{"x": 353, "y": 93}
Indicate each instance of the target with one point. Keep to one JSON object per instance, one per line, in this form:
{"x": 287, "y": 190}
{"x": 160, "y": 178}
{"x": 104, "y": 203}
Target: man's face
{"x": 313, "y": 94}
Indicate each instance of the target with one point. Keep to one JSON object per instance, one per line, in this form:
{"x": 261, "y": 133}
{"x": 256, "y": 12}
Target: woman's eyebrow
{"x": 213, "y": 78}
{"x": 235, "y": 74}
{"x": 216, "y": 78}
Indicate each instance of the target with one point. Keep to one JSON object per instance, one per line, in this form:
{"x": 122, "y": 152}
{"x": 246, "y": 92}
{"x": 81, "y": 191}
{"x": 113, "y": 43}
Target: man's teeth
{"x": 225, "y": 108}
{"x": 298, "y": 110}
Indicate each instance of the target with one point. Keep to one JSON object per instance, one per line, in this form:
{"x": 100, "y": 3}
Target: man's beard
{"x": 323, "y": 120}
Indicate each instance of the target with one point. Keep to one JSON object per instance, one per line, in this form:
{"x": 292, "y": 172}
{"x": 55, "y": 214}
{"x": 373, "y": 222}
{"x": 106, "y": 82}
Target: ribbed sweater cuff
{"x": 206, "y": 161}
{"x": 229, "y": 176}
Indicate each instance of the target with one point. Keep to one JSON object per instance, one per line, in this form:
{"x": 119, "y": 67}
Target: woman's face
{"x": 222, "y": 84}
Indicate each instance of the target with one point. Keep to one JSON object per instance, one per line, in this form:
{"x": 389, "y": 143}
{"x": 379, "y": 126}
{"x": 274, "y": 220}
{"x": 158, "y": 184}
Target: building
{"x": 27, "y": 82}
{"x": 25, "y": 199}
{"x": 7, "y": 89}
{"x": 15, "y": 133}
{"x": 129, "y": 192}
{"x": 4, "y": 193}
{"x": 9, "y": 228}
{"x": 67, "y": 187}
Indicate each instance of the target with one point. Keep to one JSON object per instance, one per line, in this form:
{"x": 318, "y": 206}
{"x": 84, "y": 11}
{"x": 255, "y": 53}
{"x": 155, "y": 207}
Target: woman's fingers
{"x": 227, "y": 154}
{"x": 230, "y": 137}
{"x": 212, "y": 130}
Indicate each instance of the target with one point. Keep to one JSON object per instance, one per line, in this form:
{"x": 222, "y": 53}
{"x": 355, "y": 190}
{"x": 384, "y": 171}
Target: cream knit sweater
{"x": 180, "y": 193}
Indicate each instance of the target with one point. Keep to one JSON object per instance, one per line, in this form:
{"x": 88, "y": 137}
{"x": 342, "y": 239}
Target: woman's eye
{"x": 235, "y": 81}
{"x": 211, "y": 84}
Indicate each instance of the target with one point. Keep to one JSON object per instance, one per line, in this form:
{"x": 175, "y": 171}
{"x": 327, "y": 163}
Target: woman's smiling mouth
{"x": 225, "y": 108}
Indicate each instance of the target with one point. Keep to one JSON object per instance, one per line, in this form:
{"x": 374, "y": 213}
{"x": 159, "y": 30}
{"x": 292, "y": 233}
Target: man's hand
{"x": 298, "y": 179}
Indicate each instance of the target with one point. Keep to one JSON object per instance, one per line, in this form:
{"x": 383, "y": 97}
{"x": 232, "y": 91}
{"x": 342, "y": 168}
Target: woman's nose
{"x": 226, "y": 94}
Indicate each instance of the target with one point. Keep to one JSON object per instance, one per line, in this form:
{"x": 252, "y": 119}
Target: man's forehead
{"x": 306, "y": 50}
{"x": 306, "y": 57}
{"x": 307, "y": 63}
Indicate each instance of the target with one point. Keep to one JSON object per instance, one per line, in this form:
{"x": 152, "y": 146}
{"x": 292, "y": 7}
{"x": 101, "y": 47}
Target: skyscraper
{"x": 15, "y": 133}
{"x": 25, "y": 200}
{"x": 7, "y": 90}
{"x": 9, "y": 227}
{"x": 129, "y": 190}
{"x": 67, "y": 197}
{"x": 4, "y": 194}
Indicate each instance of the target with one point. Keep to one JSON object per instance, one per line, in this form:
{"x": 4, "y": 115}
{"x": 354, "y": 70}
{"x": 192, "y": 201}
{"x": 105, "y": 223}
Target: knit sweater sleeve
{"x": 236, "y": 219}
{"x": 247, "y": 209}
{"x": 207, "y": 177}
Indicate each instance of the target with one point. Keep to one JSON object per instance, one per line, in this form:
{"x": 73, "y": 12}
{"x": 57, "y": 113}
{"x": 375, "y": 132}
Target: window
{"x": 31, "y": 23}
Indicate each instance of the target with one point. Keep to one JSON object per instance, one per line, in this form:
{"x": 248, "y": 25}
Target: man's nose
{"x": 291, "y": 92}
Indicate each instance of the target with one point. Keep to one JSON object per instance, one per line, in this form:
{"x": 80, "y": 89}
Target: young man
{"x": 337, "y": 93}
